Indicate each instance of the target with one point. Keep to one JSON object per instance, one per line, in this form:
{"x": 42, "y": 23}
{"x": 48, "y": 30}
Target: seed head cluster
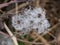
{"x": 31, "y": 20}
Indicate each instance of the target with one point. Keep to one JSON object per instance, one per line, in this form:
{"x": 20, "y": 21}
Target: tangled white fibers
{"x": 31, "y": 20}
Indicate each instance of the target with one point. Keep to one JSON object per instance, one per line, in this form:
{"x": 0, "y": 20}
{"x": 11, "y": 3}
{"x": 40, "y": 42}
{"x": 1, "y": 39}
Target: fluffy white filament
{"x": 4, "y": 40}
{"x": 31, "y": 20}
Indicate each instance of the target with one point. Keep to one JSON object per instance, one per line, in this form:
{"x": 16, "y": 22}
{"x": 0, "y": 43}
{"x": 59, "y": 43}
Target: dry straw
{"x": 11, "y": 34}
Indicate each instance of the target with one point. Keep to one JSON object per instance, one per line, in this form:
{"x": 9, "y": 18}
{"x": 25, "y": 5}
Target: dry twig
{"x": 11, "y": 34}
{"x": 42, "y": 39}
{"x": 20, "y": 6}
{"x": 16, "y": 8}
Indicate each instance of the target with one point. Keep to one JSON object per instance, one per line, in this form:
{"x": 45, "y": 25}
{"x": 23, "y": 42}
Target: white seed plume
{"x": 31, "y": 19}
{"x": 4, "y": 40}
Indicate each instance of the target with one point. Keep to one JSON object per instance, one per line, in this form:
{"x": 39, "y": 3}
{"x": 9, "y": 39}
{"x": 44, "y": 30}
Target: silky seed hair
{"x": 31, "y": 19}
